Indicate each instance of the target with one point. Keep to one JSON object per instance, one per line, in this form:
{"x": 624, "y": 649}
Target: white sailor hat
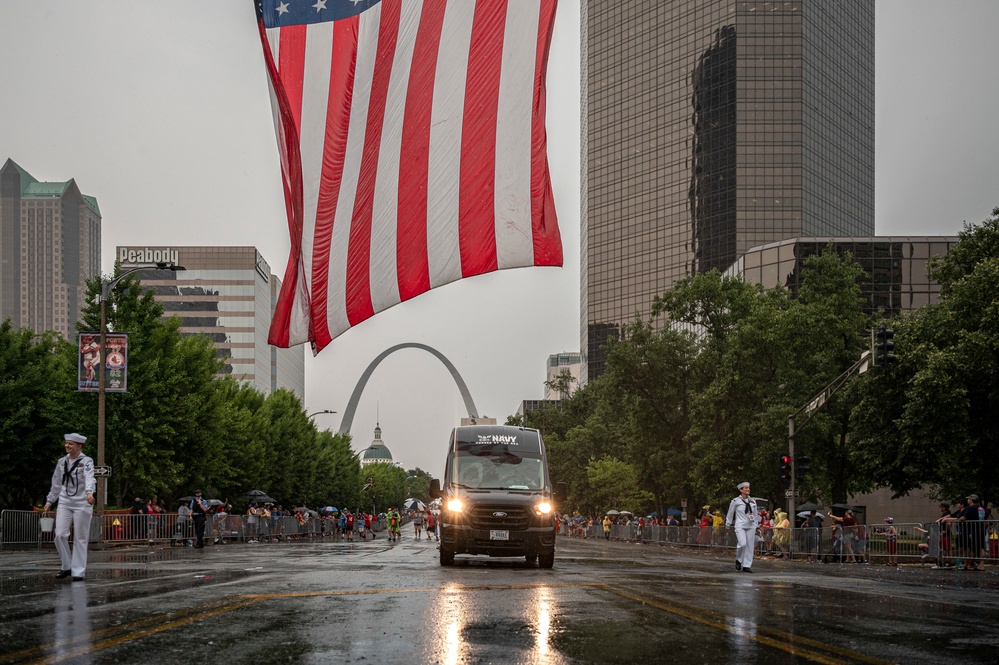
{"x": 741, "y": 485}
{"x": 76, "y": 438}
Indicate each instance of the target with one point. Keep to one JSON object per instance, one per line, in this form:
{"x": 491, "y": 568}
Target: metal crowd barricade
{"x": 222, "y": 528}
{"x": 931, "y": 543}
{"x": 22, "y": 529}
{"x": 941, "y": 544}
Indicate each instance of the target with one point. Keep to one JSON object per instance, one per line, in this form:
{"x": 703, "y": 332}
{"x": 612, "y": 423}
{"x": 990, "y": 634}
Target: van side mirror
{"x": 435, "y": 488}
{"x": 561, "y": 492}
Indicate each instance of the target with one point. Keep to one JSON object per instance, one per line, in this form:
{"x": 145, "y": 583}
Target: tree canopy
{"x": 177, "y": 428}
{"x": 697, "y": 398}
{"x": 932, "y": 419}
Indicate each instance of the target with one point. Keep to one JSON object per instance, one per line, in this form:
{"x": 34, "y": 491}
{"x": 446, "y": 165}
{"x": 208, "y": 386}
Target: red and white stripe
{"x": 413, "y": 153}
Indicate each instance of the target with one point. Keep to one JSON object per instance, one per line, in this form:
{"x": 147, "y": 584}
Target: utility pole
{"x": 810, "y": 410}
{"x": 106, "y": 288}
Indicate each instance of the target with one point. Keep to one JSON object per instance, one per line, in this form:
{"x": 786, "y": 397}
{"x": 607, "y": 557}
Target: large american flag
{"x": 413, "y": 150}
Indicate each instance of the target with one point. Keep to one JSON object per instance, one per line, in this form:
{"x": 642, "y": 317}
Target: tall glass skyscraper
{"x": 228, "y": 294}
{"x": 710, "y": 127}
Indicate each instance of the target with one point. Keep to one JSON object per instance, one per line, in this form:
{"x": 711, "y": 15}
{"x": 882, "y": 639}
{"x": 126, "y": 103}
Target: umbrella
{"x": 329, "y": 509}
{"x": 806, "y": 513}
{"x": 414, "y": 504}
{"x": 262, "y": 499}
{"x": 613, "y": 512}
{"x": 253, "y": 494}
{"x": 807, "y": 507}
{"x": 674, "y": 512}
{"x": 846, "y": 506}
{"x": 625, "y": 512}
{"x": 210, "y": 502}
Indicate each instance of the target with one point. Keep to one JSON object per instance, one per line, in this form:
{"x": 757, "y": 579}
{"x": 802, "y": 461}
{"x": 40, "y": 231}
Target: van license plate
{"x": 499, "y": 535}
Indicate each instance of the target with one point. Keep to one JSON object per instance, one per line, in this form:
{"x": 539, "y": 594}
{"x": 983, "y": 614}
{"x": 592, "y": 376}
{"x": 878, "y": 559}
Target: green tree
{"x": 388, "y": 488}
{"x": 242, "y": 465}
{"x": 35, "y": 411}
{"x": 932, "y": 419}
{"x": 647, "y": 388}
{"x": 289, "y": 449}
{"x": 697, "y": 398}
{"x": 613, "y": 485}
{"x": 756, "y": 369}
{"x": 418, "y": 484}
{"x": 164, "y": 430}
{"x": 339, "y": 471}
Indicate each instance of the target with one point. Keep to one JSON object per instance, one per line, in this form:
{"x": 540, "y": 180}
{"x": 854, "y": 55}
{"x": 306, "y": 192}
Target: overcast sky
{"x": 161, "y": 111}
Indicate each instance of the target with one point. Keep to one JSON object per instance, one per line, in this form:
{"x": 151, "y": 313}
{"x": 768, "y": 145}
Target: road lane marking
{"x": 367, "y": 592}
{"x": 784, "y": 641}
{"x": 132, "y": 629}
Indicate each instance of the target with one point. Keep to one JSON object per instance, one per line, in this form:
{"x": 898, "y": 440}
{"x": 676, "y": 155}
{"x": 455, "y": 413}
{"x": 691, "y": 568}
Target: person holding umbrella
{"x": 745, "y": 517}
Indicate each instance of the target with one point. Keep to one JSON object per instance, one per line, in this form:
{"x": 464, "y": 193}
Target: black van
{"x": 497, "y": 498}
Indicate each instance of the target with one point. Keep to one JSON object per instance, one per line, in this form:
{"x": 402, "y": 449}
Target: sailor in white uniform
{"x": 74, "y": 487}
{"x": 745, "y": 517}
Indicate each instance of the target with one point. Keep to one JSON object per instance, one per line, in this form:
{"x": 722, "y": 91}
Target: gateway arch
{"x": 355, "y": 397}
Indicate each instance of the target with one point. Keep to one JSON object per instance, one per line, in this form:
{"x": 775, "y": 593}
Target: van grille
{"x": 512, "y": 518}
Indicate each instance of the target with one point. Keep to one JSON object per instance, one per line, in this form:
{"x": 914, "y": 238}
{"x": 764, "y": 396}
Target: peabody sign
{"x": 129, "y": 255}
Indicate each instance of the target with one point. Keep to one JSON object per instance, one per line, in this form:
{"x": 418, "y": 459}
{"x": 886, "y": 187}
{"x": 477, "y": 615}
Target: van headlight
{"x": 543, "y": 508}
{"x": 455, "y": 505}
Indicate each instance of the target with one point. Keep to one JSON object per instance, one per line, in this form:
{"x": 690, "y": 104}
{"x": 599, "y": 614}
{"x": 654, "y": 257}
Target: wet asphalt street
{"x": 380, "y": 602}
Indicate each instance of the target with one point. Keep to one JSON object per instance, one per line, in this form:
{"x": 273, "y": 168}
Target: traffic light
{"x": 883, "y": 355}
{"x": 785, "y": 467}
{"x": 802, "y": 467}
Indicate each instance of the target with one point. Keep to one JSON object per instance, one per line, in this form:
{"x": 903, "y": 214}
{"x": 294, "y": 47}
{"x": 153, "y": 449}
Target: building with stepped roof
{"x": 50, "y": 245}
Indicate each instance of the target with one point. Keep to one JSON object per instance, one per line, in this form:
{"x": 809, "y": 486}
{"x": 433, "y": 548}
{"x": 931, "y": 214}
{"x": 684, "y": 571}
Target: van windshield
{"x": 497, "y": 468}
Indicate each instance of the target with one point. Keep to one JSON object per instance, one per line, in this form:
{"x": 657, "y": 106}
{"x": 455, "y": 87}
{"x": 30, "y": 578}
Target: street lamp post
{"x": 106, "y": 288}
{"x": 319, "y": 412}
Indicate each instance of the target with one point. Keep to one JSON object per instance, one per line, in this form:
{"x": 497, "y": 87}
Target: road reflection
{"x": 543, "y": 621}
{"x": 742, "y": 617}
{"x": 458, "y": 613}
{"x": 71, "y": 625}
{"x": 450, "y": 610}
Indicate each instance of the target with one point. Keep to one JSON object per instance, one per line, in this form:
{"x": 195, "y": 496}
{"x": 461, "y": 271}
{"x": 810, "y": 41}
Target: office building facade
{"x": 50, "y": 245}
{"x": 228, "y": 294}
{"x": 897, "y": 268}
{"x": 710, "y": 127}
{"x": 559, "y": 363}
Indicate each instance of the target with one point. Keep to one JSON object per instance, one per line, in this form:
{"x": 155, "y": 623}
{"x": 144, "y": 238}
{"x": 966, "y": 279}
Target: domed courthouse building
{"x": 377, "y": 452}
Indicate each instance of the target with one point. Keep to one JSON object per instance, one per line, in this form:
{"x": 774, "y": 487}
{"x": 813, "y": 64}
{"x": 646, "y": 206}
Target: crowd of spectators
{"x": 964, "y": 536}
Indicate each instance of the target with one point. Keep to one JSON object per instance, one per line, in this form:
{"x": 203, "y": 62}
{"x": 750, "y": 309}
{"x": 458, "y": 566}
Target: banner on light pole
{"x": 115, "y": 363}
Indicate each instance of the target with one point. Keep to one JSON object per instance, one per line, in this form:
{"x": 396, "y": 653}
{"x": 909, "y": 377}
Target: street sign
{"x": 102, "y": 471}
{"x": 787, "y": 494}
{"x": 683, "y": 516}
{"x": 816, "y": 403}
{"x": 683, "y": 503}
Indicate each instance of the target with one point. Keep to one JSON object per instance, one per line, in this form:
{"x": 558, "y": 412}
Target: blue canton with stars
{"x": 279, "y": 13}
